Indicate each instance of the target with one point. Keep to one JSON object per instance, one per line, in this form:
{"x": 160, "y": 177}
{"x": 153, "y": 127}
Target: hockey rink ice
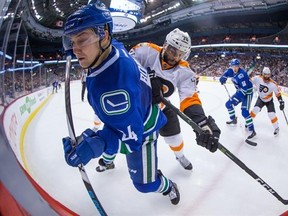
{"x": 215, "y": 187}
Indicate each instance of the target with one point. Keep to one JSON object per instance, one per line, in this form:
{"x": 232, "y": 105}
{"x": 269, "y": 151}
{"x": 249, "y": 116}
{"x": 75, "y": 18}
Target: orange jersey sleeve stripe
{"x": 269, "y": 96}
{"x": 190, "y": 101}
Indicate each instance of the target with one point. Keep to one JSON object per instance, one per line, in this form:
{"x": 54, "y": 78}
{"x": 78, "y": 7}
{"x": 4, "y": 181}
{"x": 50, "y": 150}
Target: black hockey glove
{"x": 209, "y": 137}
{"x": 156, "y": 86}
{"x": 281, "y": 107}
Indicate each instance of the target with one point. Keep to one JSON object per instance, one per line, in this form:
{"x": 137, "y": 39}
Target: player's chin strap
{"x": 101, "y": 52}
{"x": 226, "y": 152}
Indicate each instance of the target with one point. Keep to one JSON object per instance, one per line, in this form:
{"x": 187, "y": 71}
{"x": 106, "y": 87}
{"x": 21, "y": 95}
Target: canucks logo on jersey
{"x": 115, "y": 102}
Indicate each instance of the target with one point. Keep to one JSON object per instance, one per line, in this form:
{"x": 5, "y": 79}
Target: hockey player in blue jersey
{"x": 119, "y": 91}
{"x": 243, "y": 95}
{"x": 55, "y": 86}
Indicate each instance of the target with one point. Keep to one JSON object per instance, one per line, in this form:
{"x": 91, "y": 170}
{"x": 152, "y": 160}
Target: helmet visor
{"x": 84, "y": 39}
{"x": 66, "y": 42}
{"x": 80, "y": 40}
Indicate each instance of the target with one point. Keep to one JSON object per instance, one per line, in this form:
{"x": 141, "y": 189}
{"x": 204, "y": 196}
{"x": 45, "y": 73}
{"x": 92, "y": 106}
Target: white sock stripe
{"x": 152, "y": 162}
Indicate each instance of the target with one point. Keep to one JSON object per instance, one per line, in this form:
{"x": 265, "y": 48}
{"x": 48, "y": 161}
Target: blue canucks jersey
{"x": 240, "y": 80}
{"x": 119, "y": 92}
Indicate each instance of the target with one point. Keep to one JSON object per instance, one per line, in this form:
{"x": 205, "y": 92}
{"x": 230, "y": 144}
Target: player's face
{"x": 171, "y": 55}
{"x": 235, "y": 68}
{"x": 266, "y": 77}
{"x": 85, "y": 47}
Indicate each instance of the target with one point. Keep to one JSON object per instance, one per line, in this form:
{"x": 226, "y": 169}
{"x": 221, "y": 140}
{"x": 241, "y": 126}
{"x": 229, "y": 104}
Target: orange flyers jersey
{"x": 266, "y": 89}
{"x": 180, "y": 76}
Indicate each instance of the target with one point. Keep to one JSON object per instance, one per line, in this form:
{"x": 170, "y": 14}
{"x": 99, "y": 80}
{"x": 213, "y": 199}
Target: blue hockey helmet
{"x": 234, "y": 62}
{"x": 94, "y": 16}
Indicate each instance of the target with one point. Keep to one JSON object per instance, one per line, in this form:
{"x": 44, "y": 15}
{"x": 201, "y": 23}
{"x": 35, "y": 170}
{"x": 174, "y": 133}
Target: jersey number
{"x": 130, "y": 136}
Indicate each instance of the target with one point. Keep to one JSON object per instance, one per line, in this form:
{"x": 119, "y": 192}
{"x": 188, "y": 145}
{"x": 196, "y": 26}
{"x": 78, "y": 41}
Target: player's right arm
{"x": 228, "y": 73}
{"x": 191, "y": 106}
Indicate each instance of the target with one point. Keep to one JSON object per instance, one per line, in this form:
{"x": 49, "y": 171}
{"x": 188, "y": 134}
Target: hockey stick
{"x": 285, "y": 117}
{"x": 251, "y": 68}
{"x": 226, "y": 152}
{"x": 72, "y": 135}
{"x": 227, "y": 90}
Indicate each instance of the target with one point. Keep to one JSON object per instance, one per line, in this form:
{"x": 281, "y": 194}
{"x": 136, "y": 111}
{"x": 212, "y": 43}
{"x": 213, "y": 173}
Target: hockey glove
{"x": 281, "y": 107}
{"x": 156, "y": 85}
{"x": 92, "y": 146}
{"x": 209, "y": 137}
{"x": 222, "y": 80}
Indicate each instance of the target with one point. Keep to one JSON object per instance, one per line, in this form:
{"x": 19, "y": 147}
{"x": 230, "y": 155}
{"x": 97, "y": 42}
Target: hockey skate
{"x": 173, "y": 193}
{"x": 276, "y": 131}
{"x": 185, "y": 163}
{"x": 232, "y": 122}
{"x": 103, "y": 166}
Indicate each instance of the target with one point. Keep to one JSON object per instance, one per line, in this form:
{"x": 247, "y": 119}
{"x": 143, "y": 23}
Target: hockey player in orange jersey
{"x": 265, "y": 87}
{"x": 169, "y": 70}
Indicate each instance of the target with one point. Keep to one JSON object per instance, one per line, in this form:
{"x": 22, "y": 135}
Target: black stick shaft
{"x": 71, "y": 131}
{"x": 285, "y": 117}
{"x": 227, "y": 91}
{"x": 227, "y": 153}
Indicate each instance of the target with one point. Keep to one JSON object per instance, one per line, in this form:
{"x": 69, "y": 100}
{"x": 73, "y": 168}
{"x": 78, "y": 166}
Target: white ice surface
{"x": 216, "y": 186}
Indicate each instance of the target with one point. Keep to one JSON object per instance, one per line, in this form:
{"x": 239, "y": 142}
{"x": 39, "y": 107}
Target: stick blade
{"x": 249, "y": 142}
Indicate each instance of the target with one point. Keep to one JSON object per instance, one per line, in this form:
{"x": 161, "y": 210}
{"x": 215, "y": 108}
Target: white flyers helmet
{"x": 179, "y": 40}
{"x": 266, "y": 71}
